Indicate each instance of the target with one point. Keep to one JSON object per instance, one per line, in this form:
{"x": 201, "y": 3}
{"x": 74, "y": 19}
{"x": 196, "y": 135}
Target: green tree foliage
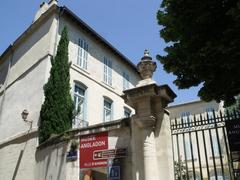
{"x": 235, "y": 106}
{"x": 56, "y": 112}
{"x": 203, "y": 46}
{"x": 180, "y": 169}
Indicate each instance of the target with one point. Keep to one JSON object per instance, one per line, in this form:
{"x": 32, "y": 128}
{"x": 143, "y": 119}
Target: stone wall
{"x": 51, "y": 159}
{"x": 17, "y": 159}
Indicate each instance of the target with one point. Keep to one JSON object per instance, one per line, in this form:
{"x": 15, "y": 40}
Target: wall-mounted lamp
{"x": 25, "y": 115}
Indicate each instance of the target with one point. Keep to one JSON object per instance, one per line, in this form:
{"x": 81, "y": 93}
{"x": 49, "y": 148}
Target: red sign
{"x": 89, "y": 144}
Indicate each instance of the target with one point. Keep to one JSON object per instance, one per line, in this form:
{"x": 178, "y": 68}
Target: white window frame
{"x": 82, "y": 54}
{"x": 125, "y": 81}
{"x": 107, "y": 77}
{"x": 216, "y": 151}
{"x": 185, "y": 116}
{"x": 80, "y": 100}
{"x": 187, "y": 147}
{"x": 107, "y": 110}
{"x": 209, "y": 112}
{"x": 127, "y": 111}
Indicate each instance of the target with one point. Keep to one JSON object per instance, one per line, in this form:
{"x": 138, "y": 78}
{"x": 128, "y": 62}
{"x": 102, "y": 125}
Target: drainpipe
{"x": 6, "y": 82}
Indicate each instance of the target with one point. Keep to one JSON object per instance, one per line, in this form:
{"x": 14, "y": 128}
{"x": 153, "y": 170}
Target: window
{"x": 107, "y": 111}
{"x": 215, "y": 146}
{"x": 107, "y": 71}
{"x": 127, "y": 112}
{"x": 82, "y": 55}
{"x": 79, "y": 105}
{"x": 210, "y": 112}
{"x": 125, "y": 81}
{"x": 185, "y": 118}
{"x": 219, "y": 175}
{"x": 191, "y": 176}
{"x": 188, "y": 150}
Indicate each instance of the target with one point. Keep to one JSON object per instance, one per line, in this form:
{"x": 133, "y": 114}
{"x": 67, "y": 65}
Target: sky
{"x": 129, "y": 25}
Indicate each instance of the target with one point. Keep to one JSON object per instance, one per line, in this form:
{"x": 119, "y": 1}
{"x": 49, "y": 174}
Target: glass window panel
{"x": 107, "y": 110}
{"x": 79, "y": 101}
{"x": 188, "y": 150}
{"x": 185, "y": 116}
{"x": 107, "y": 71}
{"x": 215, "y": 146}
{"x": 127, "y": 112}
{"x": 82, "y": 53}
{"x": 125, "y": 81}
{"x": 210, "y": 112}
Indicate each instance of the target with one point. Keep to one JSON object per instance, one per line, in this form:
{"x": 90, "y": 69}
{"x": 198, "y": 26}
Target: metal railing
{"x": 79, "y": 123}
{"x": 195, "y": 141}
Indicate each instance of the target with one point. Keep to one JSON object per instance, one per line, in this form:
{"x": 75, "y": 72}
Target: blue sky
{"x": 129, "y": 25}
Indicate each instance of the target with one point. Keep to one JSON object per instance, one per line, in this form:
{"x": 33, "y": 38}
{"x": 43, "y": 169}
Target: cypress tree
{"x": 56, "y": 111}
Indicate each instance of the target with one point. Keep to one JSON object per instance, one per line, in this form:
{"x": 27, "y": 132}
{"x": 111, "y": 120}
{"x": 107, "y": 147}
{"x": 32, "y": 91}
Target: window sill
{"x": 79, "y": 69}
{"x": 216, "y": 157}
{"x": 190, "y": 160}
{"x": 107, "y": 85}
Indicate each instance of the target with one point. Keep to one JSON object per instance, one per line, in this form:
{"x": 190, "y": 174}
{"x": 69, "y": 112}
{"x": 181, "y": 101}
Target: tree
{"x": 180, "y": 169}
{"x": 57, "y": 110}
{"x": 236, "y": 106}
{"x": 203, "y": 46}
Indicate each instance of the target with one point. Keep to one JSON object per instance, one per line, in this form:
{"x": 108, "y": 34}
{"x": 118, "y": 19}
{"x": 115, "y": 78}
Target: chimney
{"x": 44, "y": 7}
{"x": 52, "y": 2}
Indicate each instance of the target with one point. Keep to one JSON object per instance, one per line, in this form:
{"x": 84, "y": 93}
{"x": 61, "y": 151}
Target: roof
{"x": 188, "y": 103}
{"x": 87, "y": 28}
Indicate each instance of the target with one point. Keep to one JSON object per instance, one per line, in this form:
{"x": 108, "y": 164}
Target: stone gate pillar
{"x": 150, "y": 138}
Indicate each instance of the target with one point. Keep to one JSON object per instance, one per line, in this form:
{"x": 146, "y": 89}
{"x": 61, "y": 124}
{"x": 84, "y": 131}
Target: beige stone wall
{"x": 25, "y": 93}
{"x": 34, "y": 47}
{"x": 23, "y": 90}
{"x": 17, "y": 157}
{"x": 4, "y": 67}
{"x": 164, "y": 148}
{"x": 26, "y": 77}
{"x": 51, "y": 162}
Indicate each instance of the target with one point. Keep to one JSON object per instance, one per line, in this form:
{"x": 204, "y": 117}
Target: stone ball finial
{"x": 146, "y": 66}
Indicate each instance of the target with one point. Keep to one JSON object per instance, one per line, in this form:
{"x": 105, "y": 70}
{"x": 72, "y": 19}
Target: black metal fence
{"x": 201, "y": 147}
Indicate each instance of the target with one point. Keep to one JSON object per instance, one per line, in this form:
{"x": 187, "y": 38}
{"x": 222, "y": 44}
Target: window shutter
{"x": 109, "y": 72}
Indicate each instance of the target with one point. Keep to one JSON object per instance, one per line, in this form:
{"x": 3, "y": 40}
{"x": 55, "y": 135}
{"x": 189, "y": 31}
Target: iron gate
{"x": 201, "y": 149}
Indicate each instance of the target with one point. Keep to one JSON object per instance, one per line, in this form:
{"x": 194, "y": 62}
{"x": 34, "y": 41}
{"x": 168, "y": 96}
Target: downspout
{"x": 6, "y": 82}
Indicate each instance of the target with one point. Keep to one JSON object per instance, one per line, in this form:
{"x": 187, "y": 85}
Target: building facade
{"x": 121, "y": 109}
{"x": 199, "y": 139}
{"x": 99, "y": 73}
